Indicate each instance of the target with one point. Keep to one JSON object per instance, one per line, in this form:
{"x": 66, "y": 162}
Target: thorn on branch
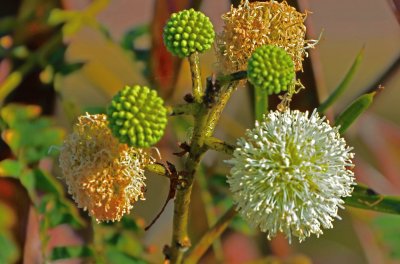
{"x": 185, "y": 149}
{"x": 213, "y": 88}
{"x": 188, "y": 98}
{"x": 167, "y": 253}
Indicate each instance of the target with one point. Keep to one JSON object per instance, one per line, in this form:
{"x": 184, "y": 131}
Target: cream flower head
{"x": 252, "y": 25}
{"x": 103, "y": 176}
{"x": 290, "y": 173}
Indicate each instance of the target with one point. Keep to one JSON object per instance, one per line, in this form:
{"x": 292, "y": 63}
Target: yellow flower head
{"x": 103, "y": 176}
{"x": 252, "y": 25}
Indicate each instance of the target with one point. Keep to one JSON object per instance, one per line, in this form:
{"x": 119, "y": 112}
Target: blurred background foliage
{"x": 60, "y": 59}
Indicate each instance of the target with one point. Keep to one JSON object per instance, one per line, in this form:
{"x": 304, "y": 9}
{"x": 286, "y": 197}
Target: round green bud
{"x": 271, "y": 69}
{"x": 188, "y": 31}
{"x": 137, "y": 116}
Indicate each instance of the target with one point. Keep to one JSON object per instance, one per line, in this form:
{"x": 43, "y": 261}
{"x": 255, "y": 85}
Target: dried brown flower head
{"x": 103, "y": 176}
{"x": 252, "y": 25}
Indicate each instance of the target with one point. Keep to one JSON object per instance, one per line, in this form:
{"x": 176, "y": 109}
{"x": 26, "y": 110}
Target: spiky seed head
{"x": 290, "y": 173}
{"x": 137, "y": 116}
{"x": 104, "y": 177}
{"x": 254, "y": 24}
{"x": 188, "y": 31}
{"x": 271, "y": 69}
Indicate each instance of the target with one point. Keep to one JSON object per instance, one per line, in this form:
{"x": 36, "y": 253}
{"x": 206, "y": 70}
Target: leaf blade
{"x": 366, "y": 198}
{"x": 343, "y": 84}
{"x": 353, "y": 111}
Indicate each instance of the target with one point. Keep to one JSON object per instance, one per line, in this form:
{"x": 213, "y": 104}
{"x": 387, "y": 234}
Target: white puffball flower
{"x": 290, "y": 173}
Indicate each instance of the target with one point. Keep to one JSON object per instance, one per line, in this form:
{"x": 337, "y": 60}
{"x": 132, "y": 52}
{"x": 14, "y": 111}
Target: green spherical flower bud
{"x": 271, "y": 69}
{"x": 137, "y": 116}
{"x": 188, "y": 31}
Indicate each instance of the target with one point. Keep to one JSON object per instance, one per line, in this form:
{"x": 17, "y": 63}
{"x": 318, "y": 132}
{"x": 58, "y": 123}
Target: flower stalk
{"x": 205, "y": 123}
{"x": 196, "y": 77}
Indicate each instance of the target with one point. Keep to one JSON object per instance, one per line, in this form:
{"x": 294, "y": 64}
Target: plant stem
{"x": 343, "y": 85}
{"x": 219, "y": 145}
{"x": 201, "y": 247}
{"x": 205, "y": 121}
{"x": 183, "y": 109}
{"x": 236, "y": 76}
{"x": 180, "y": 239}
{"x": 260, "y": 103}
{"x": 197, "y": 88}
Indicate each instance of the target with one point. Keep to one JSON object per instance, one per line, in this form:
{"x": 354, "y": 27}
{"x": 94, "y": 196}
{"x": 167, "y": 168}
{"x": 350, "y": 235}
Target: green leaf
{"x": 218, "y": 180}
{"x": 242, "y": 226}
{"x": 93, "y": 110}
{"x": 116, "y": 256}
{"x": 344, "y": 84}
{"x": 129, "y": 223}
{"x": 28, "y": 180}
{"x": 31, "y": 140}
{"x": 260, "y": 103}
{"x": 58, "y": 210}
{"x": 11, "y": 168}
{"x": 45, "y": 182}
{"x": 366, "y": 198}
{"x": 128, "y": 39}
{"x": 8, "y": 249}
{"x": 69, "y": 68}
{"x": 54, "y": 205}
{"x": 12, "y": 114}
{"x": 389, "y": 229}
{"x": 8, "y": 218}
{"x": 353, "y": 111}
{"x": 68, "y": 252}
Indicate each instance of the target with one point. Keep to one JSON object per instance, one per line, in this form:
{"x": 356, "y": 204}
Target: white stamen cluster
{"x": 290, "y": 173}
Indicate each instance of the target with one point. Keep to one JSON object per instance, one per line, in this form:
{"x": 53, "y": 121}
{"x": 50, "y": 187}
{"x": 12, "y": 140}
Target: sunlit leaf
{"x": 343, "y": 85}
{"x": 353, "y": 111}
{"x": 11, "y": 168}
{"x": 9, "y": 84}
{"x": 30, "y": 140}
{"x": 7, "y": 219}
{"x": 68, "y": 252}
{"x": 28, "y": 180}
{"x": 8, "y": 249}
{"x": 115, "y": 256}
{"x": 59, "y": 16}
{"x": 74, "y": 20}
{"x": 14, "y": 113}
